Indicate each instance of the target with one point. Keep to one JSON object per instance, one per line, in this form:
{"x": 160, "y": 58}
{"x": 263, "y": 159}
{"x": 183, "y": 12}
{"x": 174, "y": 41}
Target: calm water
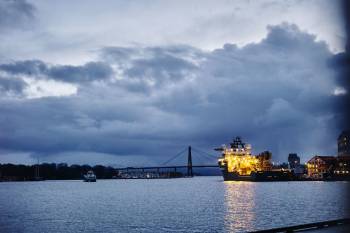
{"x": 201, "y": 204}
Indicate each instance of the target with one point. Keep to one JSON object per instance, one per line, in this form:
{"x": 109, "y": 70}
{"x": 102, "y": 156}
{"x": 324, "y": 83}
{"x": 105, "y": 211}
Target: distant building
{"x": 294, "y": 164}
{"x": 293, "y": 161}
{"x": 344, "y": 143}
{"x": 342, "y": 168}
{"x": 320, "y": 166}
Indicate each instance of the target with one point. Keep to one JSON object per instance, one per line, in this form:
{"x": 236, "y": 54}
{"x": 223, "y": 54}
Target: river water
{"x": 200, "y": 204}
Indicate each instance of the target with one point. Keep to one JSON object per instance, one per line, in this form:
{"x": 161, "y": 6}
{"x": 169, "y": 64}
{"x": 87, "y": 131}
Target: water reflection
{"x": 257, "y": 206}
{"x": 201, "y": 204}
{"x": 240, "y": 203}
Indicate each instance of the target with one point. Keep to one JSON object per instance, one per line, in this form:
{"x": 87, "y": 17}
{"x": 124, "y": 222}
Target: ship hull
{"x": 90, "y": 180}
{"x": 263, "y": 176}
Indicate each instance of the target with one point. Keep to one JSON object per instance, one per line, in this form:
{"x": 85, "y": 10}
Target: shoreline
{"x": 184, "y": 177}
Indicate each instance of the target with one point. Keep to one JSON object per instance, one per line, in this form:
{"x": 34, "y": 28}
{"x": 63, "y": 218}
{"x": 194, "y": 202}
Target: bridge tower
{"x": 189, "y": 162}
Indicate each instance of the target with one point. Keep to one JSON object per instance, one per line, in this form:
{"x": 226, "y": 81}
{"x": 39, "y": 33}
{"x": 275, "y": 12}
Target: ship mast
{"x": 37, "y": 171}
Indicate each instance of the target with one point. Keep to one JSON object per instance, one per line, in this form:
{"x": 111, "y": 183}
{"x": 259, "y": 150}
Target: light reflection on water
{"x": 239, "y": 200}
{"x": 257, "y": 206}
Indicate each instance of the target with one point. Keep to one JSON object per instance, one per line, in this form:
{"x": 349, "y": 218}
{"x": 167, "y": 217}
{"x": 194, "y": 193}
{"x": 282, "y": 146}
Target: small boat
{"x": 90, "y": 177}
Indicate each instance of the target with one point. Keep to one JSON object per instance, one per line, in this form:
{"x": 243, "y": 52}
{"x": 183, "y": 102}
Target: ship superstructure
{"x": 238, "y": 163}
{"x": 90, "y": 176}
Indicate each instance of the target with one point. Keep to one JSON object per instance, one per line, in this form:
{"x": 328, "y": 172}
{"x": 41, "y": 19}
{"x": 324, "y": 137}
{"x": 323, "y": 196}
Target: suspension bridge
{"x": 175, "y": 168}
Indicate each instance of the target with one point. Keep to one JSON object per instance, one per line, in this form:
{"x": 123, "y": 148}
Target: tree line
{"x": 53, "y": 171}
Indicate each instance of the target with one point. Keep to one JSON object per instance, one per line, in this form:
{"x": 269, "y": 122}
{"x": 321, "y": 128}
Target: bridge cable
{"x": 200, "y": 156}
{"x": 205, "y": 153}
{"x": 204, "y": 160}
{"x": 203, "y": 157}
{"x": 174, "y": 157}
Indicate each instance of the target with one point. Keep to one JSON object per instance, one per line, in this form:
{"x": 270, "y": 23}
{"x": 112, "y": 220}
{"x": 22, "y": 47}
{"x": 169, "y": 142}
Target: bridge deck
{"x": 164, "y": 167}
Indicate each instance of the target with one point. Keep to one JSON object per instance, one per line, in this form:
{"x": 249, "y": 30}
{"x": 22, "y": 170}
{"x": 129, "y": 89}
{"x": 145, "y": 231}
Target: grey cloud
{"x": 120, "y": 53}
{"x": 160, "y": 68}
{"x": 274, "y": 93}
{"x": 286, "y": 36}
{"x": 152, "y": 67}
{"x": 30, "y": 67}
{"x": 12, "y": 86}
{"x": 91, "y": 71}
{"x": 16, "y": 14}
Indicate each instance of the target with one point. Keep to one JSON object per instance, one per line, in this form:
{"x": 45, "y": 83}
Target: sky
{"x": 134, "y": 82}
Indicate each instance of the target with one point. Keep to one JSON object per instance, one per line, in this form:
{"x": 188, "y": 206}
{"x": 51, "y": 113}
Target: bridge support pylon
{"x": 189, "y": 163}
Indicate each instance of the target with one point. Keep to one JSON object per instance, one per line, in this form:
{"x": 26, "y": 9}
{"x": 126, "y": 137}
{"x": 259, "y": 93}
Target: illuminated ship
{"x": 237, "y": 163}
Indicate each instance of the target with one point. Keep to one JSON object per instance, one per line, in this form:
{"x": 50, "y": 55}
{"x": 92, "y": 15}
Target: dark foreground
{"x": 339, "y": 225}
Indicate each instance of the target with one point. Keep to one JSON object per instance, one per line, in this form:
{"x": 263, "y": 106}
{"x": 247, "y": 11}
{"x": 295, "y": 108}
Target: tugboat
{"x": 238, "y": 164}
{"x": 90, "y": 177}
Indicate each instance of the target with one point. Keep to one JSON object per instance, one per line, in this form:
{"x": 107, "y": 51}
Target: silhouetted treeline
{"x": 53, "y": 171}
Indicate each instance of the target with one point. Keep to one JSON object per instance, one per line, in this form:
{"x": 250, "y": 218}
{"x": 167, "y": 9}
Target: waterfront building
{"x": 344, "y": 143}
{"x": 318, "y": 167}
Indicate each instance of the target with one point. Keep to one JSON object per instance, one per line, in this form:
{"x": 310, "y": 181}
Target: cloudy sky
{"x": 134, "y": 82}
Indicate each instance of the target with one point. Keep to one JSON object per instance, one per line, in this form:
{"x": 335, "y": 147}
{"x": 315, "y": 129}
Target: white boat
{"x": 90, "y": 177}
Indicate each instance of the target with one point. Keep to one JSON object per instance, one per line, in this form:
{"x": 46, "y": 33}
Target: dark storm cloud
{"x": 270, "y": 92}
{"x": 277, "y": 94}
{"x": 91, "y": 71}
{"x": 50, "y": 125}
{"x": 341, "y": 63}
{"x": 16, "y": 14}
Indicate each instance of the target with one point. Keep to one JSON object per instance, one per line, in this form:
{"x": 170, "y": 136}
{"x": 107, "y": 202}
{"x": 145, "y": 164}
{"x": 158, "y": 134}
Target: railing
{"x": 311, "y": 226}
